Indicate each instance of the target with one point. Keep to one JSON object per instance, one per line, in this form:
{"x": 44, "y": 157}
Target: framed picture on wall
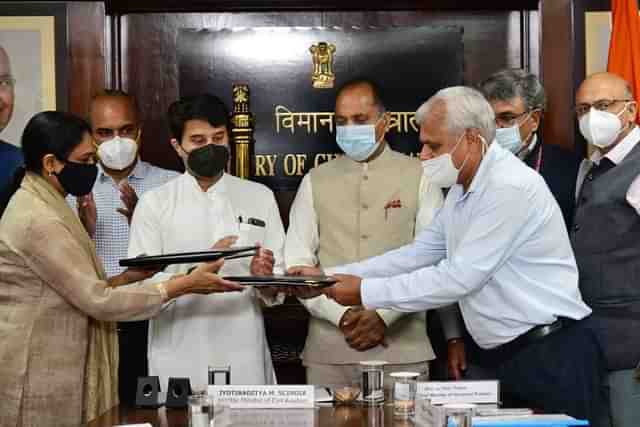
{"x": 33, "y": 43}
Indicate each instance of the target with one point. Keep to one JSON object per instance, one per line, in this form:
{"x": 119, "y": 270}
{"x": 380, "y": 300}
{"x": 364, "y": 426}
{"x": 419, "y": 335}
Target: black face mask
{"x": 77, "y": 179}
{"x": 208, "y": 161}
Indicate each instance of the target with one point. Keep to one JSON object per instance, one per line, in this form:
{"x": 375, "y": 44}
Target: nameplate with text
{"x": 442, "y": 392}
{"x": 263, "y": 396}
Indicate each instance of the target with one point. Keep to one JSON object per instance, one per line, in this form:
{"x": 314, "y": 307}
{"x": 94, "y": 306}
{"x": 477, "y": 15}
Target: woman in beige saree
{"x": 58, "y": 346}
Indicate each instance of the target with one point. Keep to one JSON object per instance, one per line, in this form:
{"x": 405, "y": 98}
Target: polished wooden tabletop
{"x": 322, "y": 416}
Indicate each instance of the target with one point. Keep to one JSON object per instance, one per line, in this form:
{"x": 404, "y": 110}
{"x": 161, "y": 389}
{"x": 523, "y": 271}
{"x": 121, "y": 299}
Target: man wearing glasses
{"x": 606, "y": 233}
{"x": 518, "y": 99}
{"x": 106, "y": 212}
{"x": 10, "y": 155}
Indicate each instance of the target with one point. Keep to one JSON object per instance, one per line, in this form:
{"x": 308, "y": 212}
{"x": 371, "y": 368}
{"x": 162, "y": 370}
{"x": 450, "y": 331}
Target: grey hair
{"x": 510, "y": 83}
{"x": 466, "y": 108}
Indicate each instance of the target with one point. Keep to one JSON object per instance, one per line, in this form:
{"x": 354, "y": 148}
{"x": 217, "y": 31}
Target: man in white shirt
{"x": 191, "y": 213}
{"x": 499, "y": 248}
{"x": 606, "y": 233}
{"x": 106, "y": 212}
{"x": 351, "y": 208}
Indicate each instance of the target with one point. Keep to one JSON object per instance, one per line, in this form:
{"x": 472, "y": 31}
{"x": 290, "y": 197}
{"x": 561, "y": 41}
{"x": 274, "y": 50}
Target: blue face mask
{"x": 509, "y": 138}
{"x": 357, "y": 141}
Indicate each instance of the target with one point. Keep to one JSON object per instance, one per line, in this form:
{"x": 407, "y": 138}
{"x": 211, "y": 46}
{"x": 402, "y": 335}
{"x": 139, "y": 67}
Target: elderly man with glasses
{"x": 606, "y": 233}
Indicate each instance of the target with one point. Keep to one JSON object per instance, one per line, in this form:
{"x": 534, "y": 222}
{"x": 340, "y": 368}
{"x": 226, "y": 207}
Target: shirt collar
{"x": 620, "y": 151}
{"x": 217, "y": 188}
{"x": 139, "y": 171}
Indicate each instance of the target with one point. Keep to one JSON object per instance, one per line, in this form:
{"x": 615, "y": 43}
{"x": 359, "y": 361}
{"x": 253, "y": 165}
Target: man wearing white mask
{"x": 606, "y": 236}
{"x": 351, "y": 208}
{"x": 498, "y": 248}
{"x": 106, "y": 212}
{"x": 518, "y": 100}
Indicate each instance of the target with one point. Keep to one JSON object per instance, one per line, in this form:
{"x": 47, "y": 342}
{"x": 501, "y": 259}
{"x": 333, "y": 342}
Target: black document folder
{"x": 281, "y": 280}
{"x": 189, "y": 257}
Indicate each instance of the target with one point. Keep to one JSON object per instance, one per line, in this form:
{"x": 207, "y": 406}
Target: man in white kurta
{"x": 180, "y": 216}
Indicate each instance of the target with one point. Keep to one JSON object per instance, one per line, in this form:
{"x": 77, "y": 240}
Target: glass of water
{"x": 404, "y": 393}
{"x": 372, "y": 381}
{"x": 458, "y": 414}
{"x": 200, "y": 410}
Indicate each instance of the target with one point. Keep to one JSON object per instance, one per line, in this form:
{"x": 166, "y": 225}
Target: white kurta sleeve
{"x": 301, "y": 248}
{"x": 633, "y": 194}
{"x": 274, "y": 241}
{"x": 430, "y": 199}
{"x": 488, "y": 242}
{"x": 302, "y": 241}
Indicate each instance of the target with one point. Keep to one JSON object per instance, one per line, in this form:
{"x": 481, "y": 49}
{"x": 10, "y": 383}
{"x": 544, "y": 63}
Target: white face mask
{"x": 601, "y": 128}
{"x": 441, "y": 171}
{"x": 118, "y": 153}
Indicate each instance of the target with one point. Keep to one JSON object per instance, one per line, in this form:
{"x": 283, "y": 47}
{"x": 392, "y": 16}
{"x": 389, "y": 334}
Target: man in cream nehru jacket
{"x": 363, "y": 204}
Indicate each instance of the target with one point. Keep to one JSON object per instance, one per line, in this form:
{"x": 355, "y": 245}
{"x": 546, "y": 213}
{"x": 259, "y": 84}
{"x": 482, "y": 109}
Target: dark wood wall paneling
{"x": 142, "y": 6}
{"x": 149, "y": 68}
{"x": 87, "y": 53}
{"x": 563, "y": 65}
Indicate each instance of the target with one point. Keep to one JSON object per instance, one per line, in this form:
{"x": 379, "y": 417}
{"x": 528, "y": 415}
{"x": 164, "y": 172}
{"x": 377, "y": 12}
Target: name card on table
{"x": 263, "y": 396}
{"x": 442, "y": 392}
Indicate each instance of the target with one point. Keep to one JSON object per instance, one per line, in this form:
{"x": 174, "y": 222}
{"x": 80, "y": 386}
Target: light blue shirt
{"x": 501, "y": 250}
{"x": 112, "y": 228}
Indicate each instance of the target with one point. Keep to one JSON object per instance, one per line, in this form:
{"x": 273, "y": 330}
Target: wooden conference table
{"x": 322, "y": 416}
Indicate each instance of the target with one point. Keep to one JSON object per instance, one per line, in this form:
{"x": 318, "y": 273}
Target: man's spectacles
{"x": 509, "y": 119}
{"x": 7, "y": 83}
{"x": 600, "y": 105}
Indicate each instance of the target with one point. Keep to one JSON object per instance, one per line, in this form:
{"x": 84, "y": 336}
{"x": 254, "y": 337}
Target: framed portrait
{"x": 33, "y": 39}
